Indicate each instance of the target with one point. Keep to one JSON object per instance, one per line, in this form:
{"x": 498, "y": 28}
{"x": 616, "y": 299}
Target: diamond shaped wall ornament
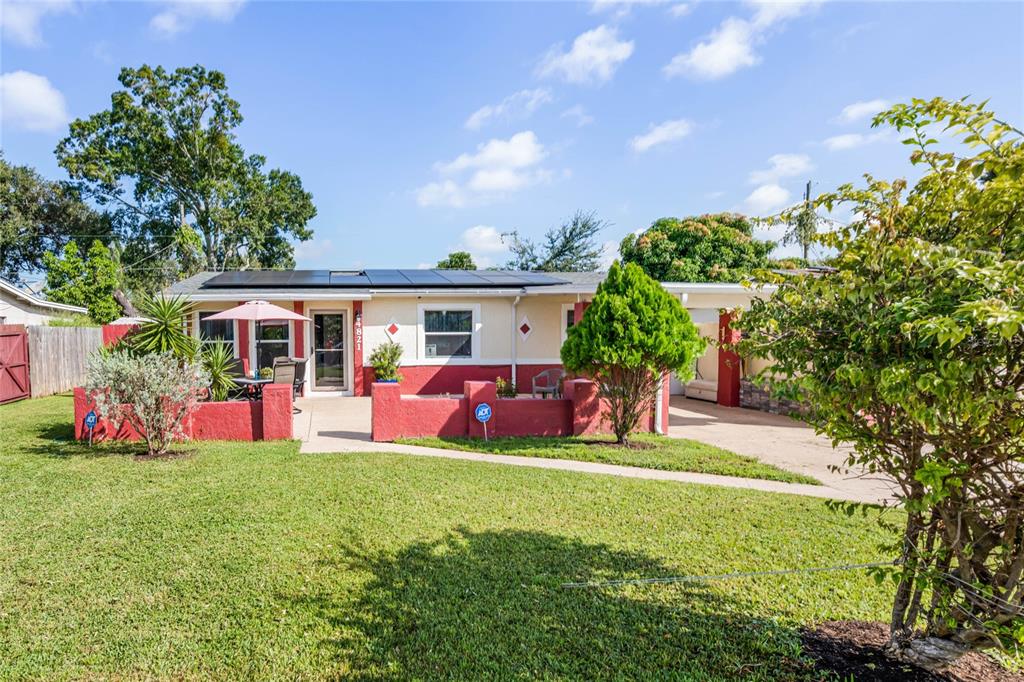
{"x": 392, "y": 328}
{"x": 525, "y": 328}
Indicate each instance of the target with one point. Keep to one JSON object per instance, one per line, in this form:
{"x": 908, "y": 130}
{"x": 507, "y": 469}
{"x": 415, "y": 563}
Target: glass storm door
{"x": 329, "y": 351}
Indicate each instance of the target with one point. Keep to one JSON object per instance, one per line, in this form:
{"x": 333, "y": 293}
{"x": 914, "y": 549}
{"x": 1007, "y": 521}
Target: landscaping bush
{"x": 385, "y": 360}
{"x": 504, "y": 389}
{"x": 912, "y": 350}
{"x": 165, "y": 329}
{"x": 154, "y": 393}
{"x": 633, "y": 333}
{"x": 218, "y": 360}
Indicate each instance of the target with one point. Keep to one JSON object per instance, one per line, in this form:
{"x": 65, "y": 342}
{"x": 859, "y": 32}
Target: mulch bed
{"x": 855, "y": 649}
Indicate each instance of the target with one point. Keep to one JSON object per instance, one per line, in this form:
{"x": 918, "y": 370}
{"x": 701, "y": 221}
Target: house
{"x": 453, "y": 325}
{"x": 21, "y": 307}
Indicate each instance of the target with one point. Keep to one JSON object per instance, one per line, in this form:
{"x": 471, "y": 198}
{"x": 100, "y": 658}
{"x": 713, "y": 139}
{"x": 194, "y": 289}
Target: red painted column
{"x": 728, "y": 364}
{"x": 385, "y": 407}
{"x": 358, "y": 381}
{"x": 481, "y": 392}
{"x": 299, "y": 329}
{"x": 277, "y": 411}
{"x": 579, "y": 308}
{"x": 243, "y": 343}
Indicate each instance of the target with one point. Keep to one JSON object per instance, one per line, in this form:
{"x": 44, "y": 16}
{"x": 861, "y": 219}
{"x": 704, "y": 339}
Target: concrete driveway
{"x": 774, "y": 439}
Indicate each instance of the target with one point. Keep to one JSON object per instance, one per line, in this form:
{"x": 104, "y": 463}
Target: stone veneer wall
{"x": 756, "y": 398}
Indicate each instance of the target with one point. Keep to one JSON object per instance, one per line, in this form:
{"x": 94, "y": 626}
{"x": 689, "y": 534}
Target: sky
{"x": 422, "y": 128}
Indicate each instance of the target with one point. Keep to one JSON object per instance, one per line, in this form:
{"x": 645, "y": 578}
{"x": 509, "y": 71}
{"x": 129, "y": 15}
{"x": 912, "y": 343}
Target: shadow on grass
{"x": 490, "y": 605}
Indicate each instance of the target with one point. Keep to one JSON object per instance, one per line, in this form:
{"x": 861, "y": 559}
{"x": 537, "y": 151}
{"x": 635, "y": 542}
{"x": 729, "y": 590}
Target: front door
{"x": 329, "y": 352}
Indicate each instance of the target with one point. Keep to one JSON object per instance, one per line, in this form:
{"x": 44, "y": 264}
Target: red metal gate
{"x": 13, "y": 363}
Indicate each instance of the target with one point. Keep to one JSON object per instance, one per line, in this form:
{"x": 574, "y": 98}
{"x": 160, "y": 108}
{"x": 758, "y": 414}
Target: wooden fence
{"x": 59, "y": 355}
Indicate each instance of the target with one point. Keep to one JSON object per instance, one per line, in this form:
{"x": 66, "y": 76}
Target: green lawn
{"x": 672, "y": 454}
{"x": 252, "y": 561}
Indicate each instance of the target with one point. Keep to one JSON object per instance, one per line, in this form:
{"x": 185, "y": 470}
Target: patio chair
{"x": 286, "y": 371}
{"x": 548, "y": 382}
{"x": 237, "y": 370}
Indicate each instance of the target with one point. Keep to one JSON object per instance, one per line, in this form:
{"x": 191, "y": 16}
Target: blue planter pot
{"x": 387, "y": 381}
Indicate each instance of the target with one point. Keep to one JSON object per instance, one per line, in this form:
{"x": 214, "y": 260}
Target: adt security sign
{"x": 90, "y": 423}
{"x": 483, "y": 414}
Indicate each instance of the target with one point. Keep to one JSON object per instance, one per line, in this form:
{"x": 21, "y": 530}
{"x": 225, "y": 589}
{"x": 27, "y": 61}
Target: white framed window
{"x": 449, "y": 332}
{"x": 568, "y": 319}
{"x": 215, "y": 331}
{"x": 273, "y": 340}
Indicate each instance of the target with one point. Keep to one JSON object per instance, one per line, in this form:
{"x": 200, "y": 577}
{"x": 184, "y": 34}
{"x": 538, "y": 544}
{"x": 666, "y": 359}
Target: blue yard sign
{"x": 90, "y": 423}
{"x": 483, "y": 414}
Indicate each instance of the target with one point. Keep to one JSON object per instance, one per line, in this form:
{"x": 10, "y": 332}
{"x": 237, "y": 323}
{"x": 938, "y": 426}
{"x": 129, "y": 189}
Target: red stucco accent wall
{"x": 243, "y": 342}
{"x": 267, "y": 419}
{"x": 112, "y": 333}
{"x": 437, "y": 379}
{"x": 396, "y": 416}
{"x": 299, "y": 334}
{"x": 359, "y": 384}
{"x": 728, "y": 364}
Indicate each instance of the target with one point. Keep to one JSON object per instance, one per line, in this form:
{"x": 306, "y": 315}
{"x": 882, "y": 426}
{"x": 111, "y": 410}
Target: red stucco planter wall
{"x": 267, "y": 419}
{"x": 579, "y": 412}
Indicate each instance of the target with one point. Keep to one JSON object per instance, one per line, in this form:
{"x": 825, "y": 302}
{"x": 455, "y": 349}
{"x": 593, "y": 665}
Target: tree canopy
{"x": 39, "y": 216}
{"x": 708, "y": 248}
{"x": 89, "y": 282}
{"x": 571, "y": 247}
{"x": 912, "y": 350}
{"x": 164, "y": 158}
{"x": 457, "y": 260}
{"x": 632, "y": 334}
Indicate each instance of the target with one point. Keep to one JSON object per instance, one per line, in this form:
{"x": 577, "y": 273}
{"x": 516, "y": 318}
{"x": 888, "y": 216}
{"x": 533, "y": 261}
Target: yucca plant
{"x": 218, "y": 360}
{"x": 165, "y": 330}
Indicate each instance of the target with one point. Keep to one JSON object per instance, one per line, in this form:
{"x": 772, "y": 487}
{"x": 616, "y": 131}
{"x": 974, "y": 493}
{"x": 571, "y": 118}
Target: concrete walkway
{"x": 343, "y": 425}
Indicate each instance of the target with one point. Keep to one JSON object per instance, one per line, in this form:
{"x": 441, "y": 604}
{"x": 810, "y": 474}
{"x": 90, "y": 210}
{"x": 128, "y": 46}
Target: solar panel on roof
{"x": 387, "y": 278}
{"x": 462, "y": 278}
{"x": 425, "y": 278}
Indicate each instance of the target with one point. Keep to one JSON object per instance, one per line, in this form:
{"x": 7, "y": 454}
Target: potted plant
{"x": 266, "y": 373}
{"x": 385, "y": 359}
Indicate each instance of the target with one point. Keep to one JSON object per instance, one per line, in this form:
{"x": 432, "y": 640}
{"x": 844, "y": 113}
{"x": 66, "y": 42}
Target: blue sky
{"x": 424, "y": 127}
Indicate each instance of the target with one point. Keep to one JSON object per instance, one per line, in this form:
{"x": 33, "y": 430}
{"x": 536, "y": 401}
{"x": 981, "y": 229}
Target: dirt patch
{"x": 182, "y": 453}
{"x": 855, "y": 650}
{"x": 631, "y": 445}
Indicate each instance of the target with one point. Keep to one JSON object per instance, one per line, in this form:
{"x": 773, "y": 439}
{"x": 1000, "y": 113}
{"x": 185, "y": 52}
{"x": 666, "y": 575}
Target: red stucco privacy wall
{"x": 112, "y": 333}
{"x": 267, "y": 419}
{"x": 579, "y": 412}
{"x": 439, "y": 379}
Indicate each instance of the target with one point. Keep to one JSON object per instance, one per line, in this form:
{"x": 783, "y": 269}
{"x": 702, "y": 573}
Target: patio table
{"x": 255, "y": 384}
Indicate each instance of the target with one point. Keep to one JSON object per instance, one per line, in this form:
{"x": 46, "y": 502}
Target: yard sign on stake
{"x": 90, "y": 423}
{"x": 483, "y": 414}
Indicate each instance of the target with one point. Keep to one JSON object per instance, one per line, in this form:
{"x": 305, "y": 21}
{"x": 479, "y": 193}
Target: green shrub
{"x": 218, "y": 360}
{"x": 165, "y": 330}
{"x": 385, "y": 360}
{"x": 505, "y": 389}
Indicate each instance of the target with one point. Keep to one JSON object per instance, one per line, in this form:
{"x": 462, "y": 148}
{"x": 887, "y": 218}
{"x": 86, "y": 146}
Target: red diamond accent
{"x": 525, "y": 329}
{"x": 393, "y": 329}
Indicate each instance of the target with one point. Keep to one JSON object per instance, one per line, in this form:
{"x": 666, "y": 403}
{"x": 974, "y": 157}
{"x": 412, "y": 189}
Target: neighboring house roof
{"x": 363, "y": 284}
{"x": 38, "y": 301}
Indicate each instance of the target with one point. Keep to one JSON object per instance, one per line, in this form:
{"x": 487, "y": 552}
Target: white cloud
{"x": 765, "y": 199}
{"x": 594, "y": 57}
{"x": 496, "y": 168}
{"x": 680, "y": 9}
{"x": 729, "y": 48}
{"x": 732, "y": 46}
{"x": 181, "y": 15}
{"x": 29, "y": 101}
{"x": 782, "y": 166}
{"x": 482, "y": 239}
{"x": 838, "y": 143}
{"x": 516, "y": 106}
{"x": 669, "y": 131}
{"x": 609, "y": 254}
{"x": 858, "y": 110}
{"x": 578, "y": 114}
{"x": 620, "y": 8}
{"x": 20, "y": 20}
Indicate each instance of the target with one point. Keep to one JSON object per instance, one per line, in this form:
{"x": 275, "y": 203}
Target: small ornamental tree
{"x": 633, "y": 333}
{"x": 912, "y": 350}
{"x": 154, "y": 393}
{"x": 88, "y": 282}
{"x": 457, "y": 260}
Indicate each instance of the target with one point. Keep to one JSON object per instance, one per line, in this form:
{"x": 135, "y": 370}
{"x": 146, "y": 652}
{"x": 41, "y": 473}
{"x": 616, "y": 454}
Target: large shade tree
{"x": 708, "y": 248}
{"x": 39, "y": 216}
{"x": 165, "y": 160}
{"x": 570, "y": 247}
{"x": 632, "y": 335}
{"x": 912, "y": 350}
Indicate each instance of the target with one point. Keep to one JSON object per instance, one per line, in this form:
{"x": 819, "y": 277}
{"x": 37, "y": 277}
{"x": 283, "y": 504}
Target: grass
{"x": 253, "y": 561}
{"x": 671, "y": 454}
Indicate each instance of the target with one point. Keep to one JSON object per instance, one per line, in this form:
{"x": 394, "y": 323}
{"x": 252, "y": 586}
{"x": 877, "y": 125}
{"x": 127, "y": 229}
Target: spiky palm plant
{"x": 218, "y": 359}
{"x": 165, "y": 330}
